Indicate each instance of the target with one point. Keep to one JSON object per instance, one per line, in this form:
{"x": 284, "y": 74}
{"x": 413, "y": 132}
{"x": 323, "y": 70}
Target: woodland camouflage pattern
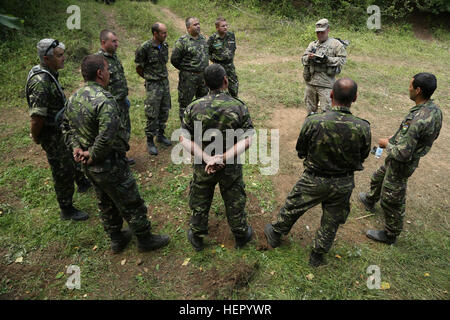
{"x": 46, "y": 102}
{"x": 190, "y": 56}
{"x": 218, "y": 110}
{"x": 412, "y": 141}
{"x": 333, "y": 144}
{"x": 93, "y": 122}
{"x": 221, "y": 51}
{"x": 158, "y": 101}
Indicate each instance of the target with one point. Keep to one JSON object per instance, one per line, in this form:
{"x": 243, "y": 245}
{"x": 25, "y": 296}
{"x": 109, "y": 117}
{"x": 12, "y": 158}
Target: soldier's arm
{"x": 36, "y": 125}
{"x": 69, "y": 133}
{"x": 210, "y": 46}
{"x": 108, "y": 124}
{"x": 303, "y": 141}
{"x": 340, "y": 57}
{"x": 38, "y": 95}
{"x": 367, "y": 141}
{"x": 177, "y": 55}
{"x": 139, "y": 60}
{"x": 305, "y": 58}
{"x": 407, "y": 143}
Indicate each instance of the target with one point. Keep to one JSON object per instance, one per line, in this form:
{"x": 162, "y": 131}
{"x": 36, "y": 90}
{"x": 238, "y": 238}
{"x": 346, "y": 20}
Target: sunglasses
{"x": 54, "y": 44}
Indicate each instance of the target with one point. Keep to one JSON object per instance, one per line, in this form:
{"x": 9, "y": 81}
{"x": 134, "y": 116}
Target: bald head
{"x": 344, "y": 92}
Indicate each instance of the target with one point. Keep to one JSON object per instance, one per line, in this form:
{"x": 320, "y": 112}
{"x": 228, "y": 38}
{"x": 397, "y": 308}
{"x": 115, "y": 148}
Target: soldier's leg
{"x": 393, "y": 200}
{"x": 201, "y": 194}
{"x": 232, "y": 189}
{"x": 201, "y": 88}
{"x": 307, "y": 193}
{"x": 164, "y": 110}
{"x": 152, "y": 105}
{"x": 376, "y": 182}
{"x": 186, "y": 90}
{"x": 61, "y": 164}
{"x": 233, "y": 82}
{"x": 335, "y": 212}
{"x": 324, "y": 98}
{"x": 311, "y": 99}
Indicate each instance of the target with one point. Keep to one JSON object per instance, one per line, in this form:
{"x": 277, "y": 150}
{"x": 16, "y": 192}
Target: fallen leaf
{"x": 357, "y": 282}
{"x": 310, "y": 276}
{"x": 94, "y": 248}
{"x": 408, "y": 222}
{"x": 272, "y": 272}
{"x": 139, "y": 262}
{"x": 157, "y": 267}
{"x": 338, "y": 256}
{"x": 385, "y": 286}
{"x": 222, "y": 245}
{"x": 19, "y": 260}
{"x": 123, "y": 261}
{"x": 85, "y": 296}
{"x": 186, "y": 261}
{"x": 59, "y": 275}
{"x": 146, "y": 270}
{"x": 307, "y": 228}
{"x": 426, "y": 274}
{"x": 203, "y": 297}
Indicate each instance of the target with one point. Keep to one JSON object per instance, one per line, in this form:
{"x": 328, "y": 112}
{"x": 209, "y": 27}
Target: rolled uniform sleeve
{"x": 108, "y": 124}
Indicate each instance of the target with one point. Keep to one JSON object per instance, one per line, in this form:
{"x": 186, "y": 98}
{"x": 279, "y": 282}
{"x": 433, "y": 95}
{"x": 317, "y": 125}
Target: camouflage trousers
{"x": 118, "y": 196}
{"x": 334, "y": 195}
{"x": 64, "y": 169}
{"x": 233, "y": 82}
{"x": 388, "y": 185}
{"x": 125, "y": 115}
{"x": 232, "y": 189}
{"x": 316, "y": 94}
{"x": 189, "y": 85}
{"x": 157, "y": 106}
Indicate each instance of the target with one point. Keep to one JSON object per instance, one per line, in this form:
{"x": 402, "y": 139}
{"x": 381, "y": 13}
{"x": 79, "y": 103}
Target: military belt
{"x": 323, "y": 175}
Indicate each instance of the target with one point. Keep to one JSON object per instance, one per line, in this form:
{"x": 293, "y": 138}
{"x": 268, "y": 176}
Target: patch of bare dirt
{"x": 178, "y": 22}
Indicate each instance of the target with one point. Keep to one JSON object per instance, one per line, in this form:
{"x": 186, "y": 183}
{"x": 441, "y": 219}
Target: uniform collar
{"x": 93, "y": 83}
{"x": 217, "y": 91}
{"x": 200, "y": 36}
{"x": 55, "y": 74}
{"x": 106, "y": 53}
{"x": 341, "y": 109}
{"x": 417, "y": 107}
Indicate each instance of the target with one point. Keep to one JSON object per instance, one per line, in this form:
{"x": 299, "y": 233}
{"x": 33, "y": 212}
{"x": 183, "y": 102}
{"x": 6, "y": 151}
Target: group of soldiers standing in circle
{"x": 89, "y": 133}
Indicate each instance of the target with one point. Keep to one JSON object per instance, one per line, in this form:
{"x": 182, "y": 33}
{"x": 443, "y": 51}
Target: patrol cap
{"x": 322, "y": 25}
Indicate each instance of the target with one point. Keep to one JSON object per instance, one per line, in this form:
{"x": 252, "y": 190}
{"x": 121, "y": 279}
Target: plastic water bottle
{"x": 378, "y": 153}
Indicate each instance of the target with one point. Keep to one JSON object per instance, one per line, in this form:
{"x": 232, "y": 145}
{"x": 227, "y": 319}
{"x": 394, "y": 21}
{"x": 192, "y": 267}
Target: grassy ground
{"x": 269, "y": 71}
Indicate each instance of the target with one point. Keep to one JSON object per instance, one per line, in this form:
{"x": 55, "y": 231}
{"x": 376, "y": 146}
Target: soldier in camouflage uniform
{"x": 46, "y": 99}
{"x": 117, "y": 86}
{"x": 151, "y": 59}
{"x": 413, "y": 140}
{"x": 94, "y": 127}
{"x": 219, "y": 111}
{"x": 322, "y": 60}
{"x": 221, "y": 48}
{"x": 334, "y": 144}
{"x": 190, "y": 56}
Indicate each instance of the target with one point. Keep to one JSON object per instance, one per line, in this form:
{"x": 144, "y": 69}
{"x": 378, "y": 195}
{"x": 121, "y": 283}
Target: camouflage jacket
{"x": 416, "y": 135}
{"x": 44, "y": 96}
{"x": 221, "y": 50}
{"x": 218, "y": 110}
{"x": 323, "y": 74}
{"x": 117, "y": 81}
{"x": 92, "y": 122}
{"x": 153, "y": 60}
{"x": 334, "y": 142}
{"x": 190, "y": 54}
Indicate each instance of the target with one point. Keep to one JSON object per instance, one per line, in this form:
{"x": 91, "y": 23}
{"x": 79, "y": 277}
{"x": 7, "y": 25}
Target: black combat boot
{"x": 316, "y": 259}
{"x": 273, "y": 237}
{"x": 149, "y": 241}
{"x": 381, "y": 236}
{"x": 197, "y": 242}
{"x": 162, "y": 139}
{"x": 151, "y": 146}
{"x": 120, "y": 240}
{"x": 363, "y": 198}
{"x": 83, "y": 185}
{"x": 242, "y": 241}
{"x": 70, "y": 212}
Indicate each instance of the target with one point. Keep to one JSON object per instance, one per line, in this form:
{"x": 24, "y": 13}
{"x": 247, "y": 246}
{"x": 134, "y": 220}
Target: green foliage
{"x": 11, "y": 22}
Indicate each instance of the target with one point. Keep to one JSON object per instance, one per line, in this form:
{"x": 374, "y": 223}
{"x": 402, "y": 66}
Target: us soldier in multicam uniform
{"x": 46, "y": 99}
{"x": 413, "y": 140}
{"x": 117, "y": 86}
{"x": 334, "y": 144}
{"x": 151, "y": 59}
{"x": 190, "y": 56}
{"x": 94, "y": 127}
{"x": 218, "y": 110}
{"x": 221, "y": 48}
{"x": 322, "y": 60}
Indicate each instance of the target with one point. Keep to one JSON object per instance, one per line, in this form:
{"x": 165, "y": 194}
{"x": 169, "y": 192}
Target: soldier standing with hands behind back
{"x": 322, "y": 60}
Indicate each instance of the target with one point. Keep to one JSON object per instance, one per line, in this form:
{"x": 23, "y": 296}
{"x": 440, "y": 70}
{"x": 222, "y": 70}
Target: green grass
{"x": 29, "y": 221}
